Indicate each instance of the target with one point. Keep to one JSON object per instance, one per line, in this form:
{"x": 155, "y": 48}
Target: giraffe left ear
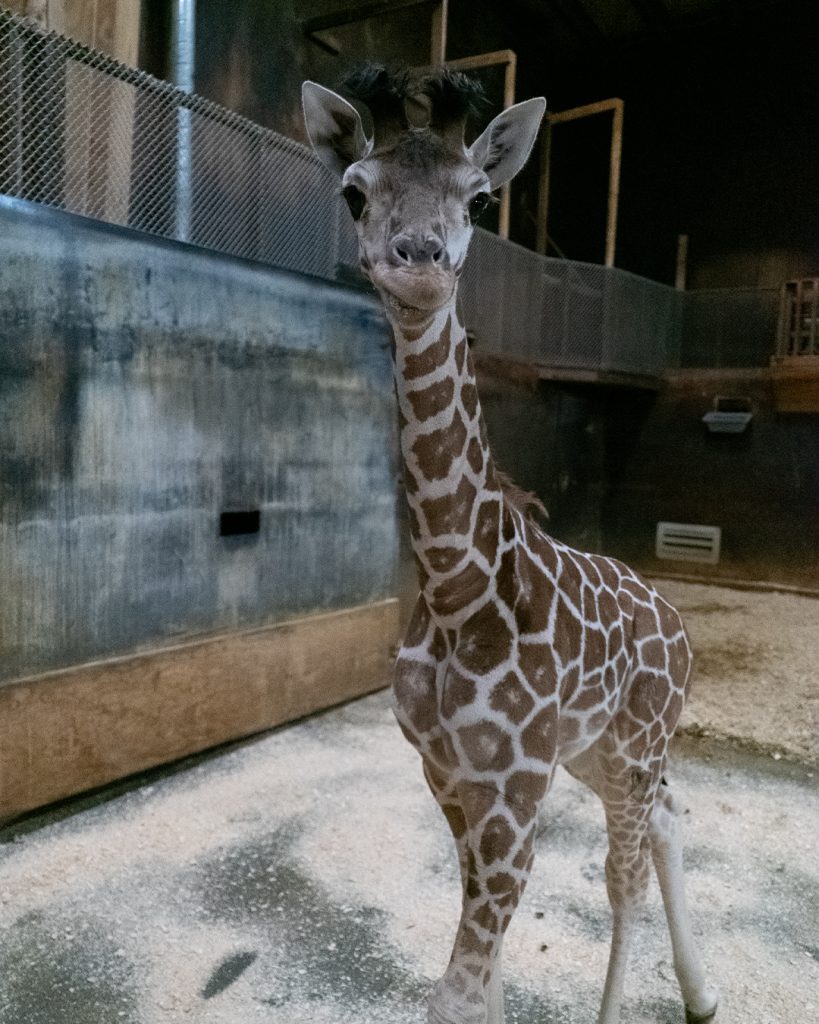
{"x": 504, "y": 147}
{"x": 333, "y": 127}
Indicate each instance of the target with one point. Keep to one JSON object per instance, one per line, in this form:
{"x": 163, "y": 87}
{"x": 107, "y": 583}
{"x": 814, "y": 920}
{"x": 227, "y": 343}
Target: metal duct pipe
{"x": 183, "y": 41}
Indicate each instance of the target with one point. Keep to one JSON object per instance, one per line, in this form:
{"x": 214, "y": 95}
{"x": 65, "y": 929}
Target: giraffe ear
{"x": 504, "y": 147}
{"x": 333, "y": 127}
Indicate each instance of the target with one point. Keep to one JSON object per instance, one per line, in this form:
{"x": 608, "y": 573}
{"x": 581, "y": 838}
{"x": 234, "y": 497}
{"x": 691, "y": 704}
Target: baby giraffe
{"x": 522, "y": 653}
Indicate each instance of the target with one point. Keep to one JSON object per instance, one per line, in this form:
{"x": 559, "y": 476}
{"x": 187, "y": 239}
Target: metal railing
{"x": 84, "y": 133}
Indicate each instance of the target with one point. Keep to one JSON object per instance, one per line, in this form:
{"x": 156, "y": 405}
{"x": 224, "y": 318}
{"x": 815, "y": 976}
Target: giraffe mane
{"x": 526, "y": 502}
{"x": 381, "y": 90}
{"x": 449, "y": 97}
{"x": 453, "y": 95}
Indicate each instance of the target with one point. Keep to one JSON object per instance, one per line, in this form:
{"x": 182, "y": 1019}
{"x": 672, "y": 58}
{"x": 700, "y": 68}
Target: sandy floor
{"x": 306, "y": 876}
{"x": 756, "y": 667}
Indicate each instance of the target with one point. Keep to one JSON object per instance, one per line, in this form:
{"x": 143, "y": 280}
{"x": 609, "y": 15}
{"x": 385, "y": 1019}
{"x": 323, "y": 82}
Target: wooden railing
{"x": 798, "y": 333}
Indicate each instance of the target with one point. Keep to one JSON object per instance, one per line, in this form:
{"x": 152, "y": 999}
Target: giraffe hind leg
{"x": 666, "y": 849}
{"x": 626, "y": 786}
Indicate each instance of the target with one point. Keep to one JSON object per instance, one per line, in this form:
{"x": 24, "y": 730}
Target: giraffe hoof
{"x": 700, "y": 1018}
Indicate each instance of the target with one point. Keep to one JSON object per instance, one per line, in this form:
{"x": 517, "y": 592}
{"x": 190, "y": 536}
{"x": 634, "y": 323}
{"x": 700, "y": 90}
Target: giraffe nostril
{"x": 436, "y": 256}
{"x": 402, "y": 254}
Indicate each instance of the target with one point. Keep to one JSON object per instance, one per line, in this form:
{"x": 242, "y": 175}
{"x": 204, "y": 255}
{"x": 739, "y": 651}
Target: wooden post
{"x": 100, "y": 132}
{"x": 682, "y": 263}
{"x": 440, "y": 19}
{"x": 615, "y": 155}
{"x": 542, "y": 239}
{"x": 614, "y": 182}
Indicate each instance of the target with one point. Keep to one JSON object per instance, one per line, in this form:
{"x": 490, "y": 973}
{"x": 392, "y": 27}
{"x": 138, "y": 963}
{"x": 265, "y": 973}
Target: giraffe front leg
{"x": 499, "y": 841}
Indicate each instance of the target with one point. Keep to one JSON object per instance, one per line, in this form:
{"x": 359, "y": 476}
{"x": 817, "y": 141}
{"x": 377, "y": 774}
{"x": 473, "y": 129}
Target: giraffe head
{"x": 414, "y": 189}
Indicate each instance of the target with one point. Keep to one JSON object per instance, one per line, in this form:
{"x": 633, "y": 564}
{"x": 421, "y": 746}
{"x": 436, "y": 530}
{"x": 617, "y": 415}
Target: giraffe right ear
{"x": 333, "y": 127}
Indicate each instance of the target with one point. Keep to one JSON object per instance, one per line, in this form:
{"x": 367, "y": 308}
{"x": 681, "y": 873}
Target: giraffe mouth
{"x": 413, "y": 292}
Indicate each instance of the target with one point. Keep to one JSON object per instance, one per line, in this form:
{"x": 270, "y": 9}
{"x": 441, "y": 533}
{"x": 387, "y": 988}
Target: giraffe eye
{"x": 477, "y": 205}
{"x": 356, "y": 200}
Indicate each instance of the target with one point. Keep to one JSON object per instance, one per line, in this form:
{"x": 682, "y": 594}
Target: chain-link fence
{"x": 84, "y": 133}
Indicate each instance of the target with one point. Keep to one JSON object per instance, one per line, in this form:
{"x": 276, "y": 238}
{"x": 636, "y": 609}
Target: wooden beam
{"x": 575, "y": 113}
{"x": 359, "y": 12}
{"x": 616, "y": 106}
{"x": 580, "y": 23}
{"x": 654, "y": 14}
{"x": 682, "y": 263}
{"x": 65, "y": 732}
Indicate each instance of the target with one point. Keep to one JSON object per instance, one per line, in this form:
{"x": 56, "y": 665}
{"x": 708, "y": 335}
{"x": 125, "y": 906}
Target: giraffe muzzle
{"x": 423, "y": 288}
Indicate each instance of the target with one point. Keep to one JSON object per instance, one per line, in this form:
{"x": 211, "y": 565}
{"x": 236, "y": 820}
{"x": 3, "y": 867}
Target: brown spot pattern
{"x": 458, "y": 693}
{"x": 437, "y": 450}
{"x": 444, "y": 559}
{"x": 414, "y": 692}
{"x": 488, "y": 747}
{"x": 474, "y": 455}
{"x": 433, "y": 356}
{"x": 487, "y": 529}
{"x": 539, "y": 738}
{"x": 432, "y": 400}
{"x": 511, "y": 698}
{"x": 497, "y": 840}
{"x": 537, "y": 663}
{"x": 523, "y": 792}
{"x": 469, "y": 398}
{"x": 460, "y": 591}
{"x": 486, "y": 641}
{"x": 451, "y": 513}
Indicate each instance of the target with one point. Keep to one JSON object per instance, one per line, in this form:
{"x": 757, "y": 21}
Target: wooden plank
{"x": 76, "y": 729}
{"x": 796, "y": 383}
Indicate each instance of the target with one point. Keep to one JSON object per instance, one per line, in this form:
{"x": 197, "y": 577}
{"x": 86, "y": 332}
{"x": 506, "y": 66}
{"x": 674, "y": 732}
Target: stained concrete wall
{"x": 145, "y": 388}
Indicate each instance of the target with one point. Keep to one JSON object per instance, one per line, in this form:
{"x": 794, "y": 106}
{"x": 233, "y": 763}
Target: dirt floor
{"x": 307, "y": 877}
{"x": 756, "y": 669}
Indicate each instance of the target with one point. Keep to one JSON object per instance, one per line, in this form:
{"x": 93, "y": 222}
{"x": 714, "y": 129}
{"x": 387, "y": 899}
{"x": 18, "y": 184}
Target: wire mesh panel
{"x": 565, "y": 314}
{"x": 82, "y": 132}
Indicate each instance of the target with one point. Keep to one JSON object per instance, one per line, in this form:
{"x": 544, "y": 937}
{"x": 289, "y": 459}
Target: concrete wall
{"x": 145, "y": 388}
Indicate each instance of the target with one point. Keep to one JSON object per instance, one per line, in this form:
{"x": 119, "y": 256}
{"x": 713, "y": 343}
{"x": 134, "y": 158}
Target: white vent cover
{"x": 688, "y": 542}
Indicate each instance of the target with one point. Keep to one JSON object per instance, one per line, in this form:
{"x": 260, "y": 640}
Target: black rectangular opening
{"x": 239, "y": 524}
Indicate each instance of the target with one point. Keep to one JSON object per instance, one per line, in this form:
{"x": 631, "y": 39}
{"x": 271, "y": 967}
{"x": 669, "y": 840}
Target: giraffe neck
{"x": 455, "y": 502}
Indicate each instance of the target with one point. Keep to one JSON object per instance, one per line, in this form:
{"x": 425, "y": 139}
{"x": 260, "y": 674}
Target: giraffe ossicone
{"x": 521, "y": 653}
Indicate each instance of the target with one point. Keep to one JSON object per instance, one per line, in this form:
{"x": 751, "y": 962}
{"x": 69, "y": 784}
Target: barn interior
{"x": 203, "y": 529}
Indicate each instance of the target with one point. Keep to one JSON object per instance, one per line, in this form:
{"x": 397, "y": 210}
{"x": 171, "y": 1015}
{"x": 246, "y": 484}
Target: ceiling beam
{"x": 580, "y": 23}
{"x": 654, "y": 14}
